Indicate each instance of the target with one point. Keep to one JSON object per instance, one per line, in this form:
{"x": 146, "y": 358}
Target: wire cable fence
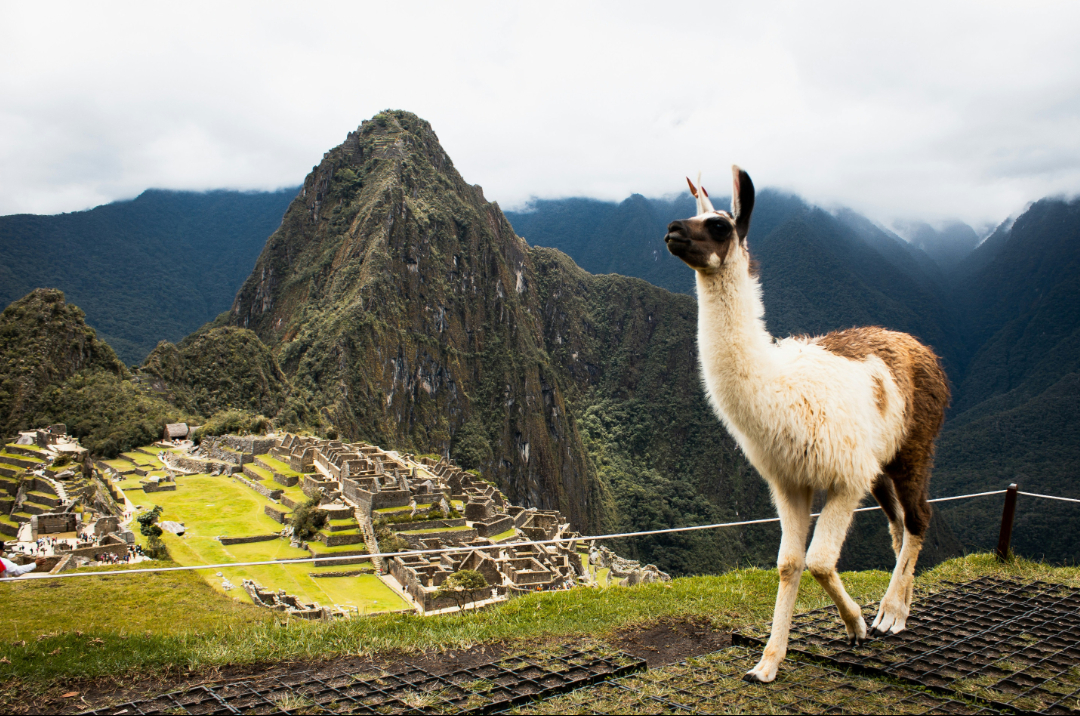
{"x": 555, "y": 540}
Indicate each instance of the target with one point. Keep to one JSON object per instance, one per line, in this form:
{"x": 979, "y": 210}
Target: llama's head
{"x": 714, "y": 240}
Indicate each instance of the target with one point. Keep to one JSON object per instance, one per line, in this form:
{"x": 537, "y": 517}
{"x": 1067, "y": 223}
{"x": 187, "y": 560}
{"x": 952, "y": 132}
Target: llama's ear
{"x": 742, "y": 201}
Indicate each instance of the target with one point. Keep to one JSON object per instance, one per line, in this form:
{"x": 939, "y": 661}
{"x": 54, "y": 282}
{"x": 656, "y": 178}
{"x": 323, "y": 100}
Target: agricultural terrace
{"x": 213, "y": 506}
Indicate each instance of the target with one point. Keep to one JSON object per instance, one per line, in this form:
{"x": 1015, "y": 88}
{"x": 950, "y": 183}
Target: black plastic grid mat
{"x": 1009, "y": 645}
{"x": 713, "y": 684}
{"x": 483, "y": 689}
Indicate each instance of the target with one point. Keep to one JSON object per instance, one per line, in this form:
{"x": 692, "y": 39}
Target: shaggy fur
{"x": 848, "y": 413}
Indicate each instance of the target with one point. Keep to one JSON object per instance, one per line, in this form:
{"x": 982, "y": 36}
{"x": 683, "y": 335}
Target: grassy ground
{"x": 187, "y": 625}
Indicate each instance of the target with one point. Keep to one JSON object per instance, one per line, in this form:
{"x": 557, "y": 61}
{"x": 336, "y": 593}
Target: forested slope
{"x": 150, "y": 269}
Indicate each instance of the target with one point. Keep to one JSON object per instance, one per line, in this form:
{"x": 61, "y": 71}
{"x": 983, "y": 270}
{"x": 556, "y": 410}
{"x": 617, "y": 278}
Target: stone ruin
{"x": 49, "y": 486}
{"x": 413, "y": 498}
{"x": 629, "y": 571}
{"x": 279, "y": 601}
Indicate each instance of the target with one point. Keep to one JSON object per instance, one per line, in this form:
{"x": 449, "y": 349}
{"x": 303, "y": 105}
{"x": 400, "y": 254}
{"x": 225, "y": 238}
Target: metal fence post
{"x": 1007, "y": 515}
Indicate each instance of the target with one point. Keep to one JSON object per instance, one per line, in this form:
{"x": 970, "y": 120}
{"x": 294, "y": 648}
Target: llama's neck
{"x": 738, "y": 356}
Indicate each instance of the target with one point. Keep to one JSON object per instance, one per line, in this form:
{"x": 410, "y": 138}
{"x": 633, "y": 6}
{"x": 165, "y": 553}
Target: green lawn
{"x": 504, "y": 535}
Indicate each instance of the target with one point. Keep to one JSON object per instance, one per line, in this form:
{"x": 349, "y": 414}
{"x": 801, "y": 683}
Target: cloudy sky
{"x": 901, "y": 110}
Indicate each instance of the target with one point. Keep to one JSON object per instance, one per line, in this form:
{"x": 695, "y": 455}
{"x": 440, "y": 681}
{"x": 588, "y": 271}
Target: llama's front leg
{"x": 793, "y": 506}
{"x": 896, "y": 604}
{"x": 829, "y": 534}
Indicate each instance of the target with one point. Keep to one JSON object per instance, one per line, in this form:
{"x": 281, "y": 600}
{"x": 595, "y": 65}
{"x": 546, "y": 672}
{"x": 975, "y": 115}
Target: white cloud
{"x": 912, "y": 110}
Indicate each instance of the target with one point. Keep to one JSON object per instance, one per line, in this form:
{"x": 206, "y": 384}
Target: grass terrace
{"x": 261, "y": 472}
{"x": 20, "y": 456}
{"x": 434, "y": 529}
{"x": 33, "y": 447}
{"x": 279, "y": 466}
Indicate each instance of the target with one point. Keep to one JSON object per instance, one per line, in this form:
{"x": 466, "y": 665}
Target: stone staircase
{"x": 369, "y": 538}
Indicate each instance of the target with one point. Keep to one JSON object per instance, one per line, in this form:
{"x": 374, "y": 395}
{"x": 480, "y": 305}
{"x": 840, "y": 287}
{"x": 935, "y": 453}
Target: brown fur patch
{"x": 921, "y": 380}
{"x": 879, "y": 394}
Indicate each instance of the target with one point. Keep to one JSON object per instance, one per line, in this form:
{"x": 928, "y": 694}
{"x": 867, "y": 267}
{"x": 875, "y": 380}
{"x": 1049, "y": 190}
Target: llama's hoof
{"x": 857, "y": 635}
{"x": 760, "y": 674}
{"x": 891, "y": 619}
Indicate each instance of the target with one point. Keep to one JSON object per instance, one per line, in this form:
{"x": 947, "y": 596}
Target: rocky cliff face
{"x": 401, "y": 299}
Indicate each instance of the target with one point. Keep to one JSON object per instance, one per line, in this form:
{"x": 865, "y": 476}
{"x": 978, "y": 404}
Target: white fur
{"x": 808, "y": 420}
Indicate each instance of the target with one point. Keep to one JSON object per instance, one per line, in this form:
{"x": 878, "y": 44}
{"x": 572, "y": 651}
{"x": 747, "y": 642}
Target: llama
{"x": 850, "y": 412}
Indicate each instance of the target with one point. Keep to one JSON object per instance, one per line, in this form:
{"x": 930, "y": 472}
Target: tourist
{"x": 10, "y": 570}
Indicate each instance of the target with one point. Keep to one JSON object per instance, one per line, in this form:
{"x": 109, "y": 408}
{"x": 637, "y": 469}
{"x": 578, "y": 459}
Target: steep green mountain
{"x": 403, "y": 303}
{"x": 150, "y": 269}
{"x": 216, "y": 369}
{"x": 54, "y": 369}
{"x": 1017, "y": 412}
{"x": 45, "y": 341}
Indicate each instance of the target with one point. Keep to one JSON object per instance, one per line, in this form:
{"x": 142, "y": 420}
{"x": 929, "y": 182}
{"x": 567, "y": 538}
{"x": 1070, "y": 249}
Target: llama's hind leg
{"x": 885, "y": 495}
{"x": 829, "y": 534}
{"x": 793, "y": 506}
{"x": 909, "y": 480}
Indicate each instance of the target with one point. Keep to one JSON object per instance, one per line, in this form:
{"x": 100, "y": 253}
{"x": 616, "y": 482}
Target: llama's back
{"x": 838, "y": 408}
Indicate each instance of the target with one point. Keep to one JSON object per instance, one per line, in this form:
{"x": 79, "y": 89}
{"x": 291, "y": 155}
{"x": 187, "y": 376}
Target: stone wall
{"x": 492, "y": 527}
{"x": 264, "y": 491}
{"x": 313, "y": 485}
{"x": 278, "y": 515}
{"x": 286, "y": 480}
{"x": 217, "y": 451}
{"x": 247, "y": 540}
{"x": 369, "y": 501}
{"x": 448, "y": 536}
{"x": 194, "y": 464}
{"x": 47, "y": 524}
{"x": 336, "y": 540}
{"x": 250, "y": 444}
{"x": 120, "y": 550}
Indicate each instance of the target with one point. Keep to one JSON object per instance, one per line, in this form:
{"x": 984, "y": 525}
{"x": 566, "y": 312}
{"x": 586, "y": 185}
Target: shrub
{"x": 464, "y": 586}
{"x": 307, "y": 519}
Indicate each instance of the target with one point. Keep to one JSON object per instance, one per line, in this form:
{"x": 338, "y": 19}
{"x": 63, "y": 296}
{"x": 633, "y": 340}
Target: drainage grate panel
{"x": 1007, "y": 644}
{"x": 713, "y": 684}
{"x": 491, "y": 687}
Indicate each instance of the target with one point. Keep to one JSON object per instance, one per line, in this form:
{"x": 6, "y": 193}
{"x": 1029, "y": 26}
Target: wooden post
{"x": 1007, "y": 515}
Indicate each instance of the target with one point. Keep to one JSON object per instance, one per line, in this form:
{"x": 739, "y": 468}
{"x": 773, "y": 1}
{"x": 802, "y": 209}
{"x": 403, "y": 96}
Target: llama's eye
{"x": 718, "y": 226}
